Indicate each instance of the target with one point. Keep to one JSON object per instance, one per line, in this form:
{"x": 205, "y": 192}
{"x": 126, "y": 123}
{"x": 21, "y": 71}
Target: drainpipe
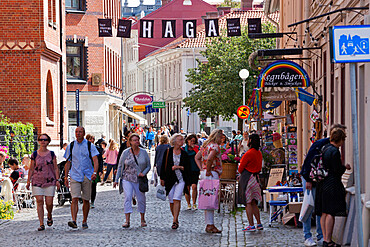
{"x": 61, "y": 82}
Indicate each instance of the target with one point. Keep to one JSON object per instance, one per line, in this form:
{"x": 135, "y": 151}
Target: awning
{"x": 133, "y": 115}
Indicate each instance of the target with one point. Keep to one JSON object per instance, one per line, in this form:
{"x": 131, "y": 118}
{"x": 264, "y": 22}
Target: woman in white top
{"x": 243, "y": 145}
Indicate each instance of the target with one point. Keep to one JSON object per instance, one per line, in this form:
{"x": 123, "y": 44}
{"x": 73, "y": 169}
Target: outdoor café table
{"x": 281, "y": 204}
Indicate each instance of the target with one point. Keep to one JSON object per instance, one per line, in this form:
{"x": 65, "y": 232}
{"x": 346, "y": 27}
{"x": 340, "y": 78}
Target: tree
{"x": 230, "y": 3}
{"x": 218, "y": 89}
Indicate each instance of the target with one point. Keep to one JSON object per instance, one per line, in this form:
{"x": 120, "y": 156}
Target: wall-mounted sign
{"x": 254, "y": 25}
{"x": 350, "y": 44}
{"x": 143, "y": 99}
{"x": 268, "y": 105}
{"x": 105, "y": 27}
{"x": 278, "y": 94}
{"x": 283, "y": 73}
{"x": 233, "y": 27}
{"x": 139, "y": 108}
{"x": 159, "y": 104}
{"x": 124, "y": 28}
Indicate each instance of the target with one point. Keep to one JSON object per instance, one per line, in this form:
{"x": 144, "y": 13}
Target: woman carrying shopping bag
{"x": 209, "y": 160}
{"x": 175, "y": 175}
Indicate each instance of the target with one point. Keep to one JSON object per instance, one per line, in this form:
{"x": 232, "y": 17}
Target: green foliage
{"x": 6, "y": 210}
{"x": 18, "y": 136}
{"x": 230, "y": 3}
{"x": 218, "y": 89}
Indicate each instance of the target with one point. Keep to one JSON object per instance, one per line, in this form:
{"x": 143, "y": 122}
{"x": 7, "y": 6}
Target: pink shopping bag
{"x": 208, "y": 194}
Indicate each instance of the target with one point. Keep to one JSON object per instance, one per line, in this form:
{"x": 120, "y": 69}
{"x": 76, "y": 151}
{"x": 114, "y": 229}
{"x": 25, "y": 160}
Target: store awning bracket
{"x": 350, "y": 9}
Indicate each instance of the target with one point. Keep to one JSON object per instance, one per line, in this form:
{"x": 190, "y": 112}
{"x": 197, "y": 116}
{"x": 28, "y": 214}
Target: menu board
{"x": 292, "y": 150}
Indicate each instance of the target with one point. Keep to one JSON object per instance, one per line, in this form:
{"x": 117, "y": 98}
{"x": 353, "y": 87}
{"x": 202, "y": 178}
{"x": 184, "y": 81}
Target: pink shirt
{"x": 111, "y": 156}
{"x": 44, "y": 173}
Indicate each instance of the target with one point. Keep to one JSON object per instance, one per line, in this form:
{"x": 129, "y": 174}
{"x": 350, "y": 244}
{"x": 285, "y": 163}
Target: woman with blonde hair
{"x": 111, "y": 159}
{"x": 209, "y": 160}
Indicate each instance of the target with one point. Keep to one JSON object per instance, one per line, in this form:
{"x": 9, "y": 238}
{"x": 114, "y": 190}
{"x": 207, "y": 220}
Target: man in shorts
{"x": 82, "y": 173}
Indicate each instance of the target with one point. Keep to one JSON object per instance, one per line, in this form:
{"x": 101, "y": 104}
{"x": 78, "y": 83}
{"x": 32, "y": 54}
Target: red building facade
{"x": 32, "y": 66}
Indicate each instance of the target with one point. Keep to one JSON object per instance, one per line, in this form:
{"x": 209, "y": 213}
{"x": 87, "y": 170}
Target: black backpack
{"x": 318, "y": 171}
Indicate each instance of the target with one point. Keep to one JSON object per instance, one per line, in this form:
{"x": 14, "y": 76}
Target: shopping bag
{"x": 208, "y": 194}
{"x": 161, "y": 192}
{"x": 308, "y": 205}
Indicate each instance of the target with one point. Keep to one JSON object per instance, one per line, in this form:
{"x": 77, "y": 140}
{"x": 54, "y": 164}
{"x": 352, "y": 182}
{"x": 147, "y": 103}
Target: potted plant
{"x": 229, "y": 163}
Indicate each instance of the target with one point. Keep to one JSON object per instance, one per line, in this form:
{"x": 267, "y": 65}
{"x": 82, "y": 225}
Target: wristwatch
{"x": 94, "y": 173}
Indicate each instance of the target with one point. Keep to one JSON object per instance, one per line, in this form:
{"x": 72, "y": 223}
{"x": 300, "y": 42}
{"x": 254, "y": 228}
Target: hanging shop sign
{"x": 233, "y": 27}
{"x": 105, "y": 27}
{"x": 350, "y": 44}
{"x": 189, "y": 28}
{"x": 278, "y": 94}
{"x": 243, "y": 112}
{"x": 159, "y": 104}
{"x": 139, "y": 108}
{"x": 143, "y": 99}
{"x": 168, "y": 29}
{"x": 283, "y": 73}
{"x": 268, "y": 105}
{"x": 211, "y": 27}
{"x": 124, "y": 28}
{"x": 254, "y": 25}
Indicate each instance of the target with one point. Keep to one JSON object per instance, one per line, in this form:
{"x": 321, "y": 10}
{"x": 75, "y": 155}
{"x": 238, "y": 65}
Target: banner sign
{"x": 283, "y": 73}
{"x": 350, "y": 44}
{"x": 168, "y": 29}
{"x": 124, "y": 28}
{"x": 146, "y": 28}
{"x": 212, "y": 28}
{"x": 143, "y": 99}
{"x": 254, "y": 25}
{"x": 189, "y": 28}
{"x": 105, "y": 27}
{"x": 233, "y": 27}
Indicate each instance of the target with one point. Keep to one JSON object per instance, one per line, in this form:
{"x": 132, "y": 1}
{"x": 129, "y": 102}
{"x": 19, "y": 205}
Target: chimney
{"x": 246, "y": 4}
{"x": 210, "y": 15}
{"x": 164, "y": 2}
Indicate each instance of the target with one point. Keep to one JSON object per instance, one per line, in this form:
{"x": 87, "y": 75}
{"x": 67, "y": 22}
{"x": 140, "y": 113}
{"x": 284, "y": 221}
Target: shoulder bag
{"x": 143, "y": 181}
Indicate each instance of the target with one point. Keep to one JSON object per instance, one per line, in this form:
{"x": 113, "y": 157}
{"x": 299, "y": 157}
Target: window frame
{"x": 83, "y": 62}
{"x": 80, "y": 9}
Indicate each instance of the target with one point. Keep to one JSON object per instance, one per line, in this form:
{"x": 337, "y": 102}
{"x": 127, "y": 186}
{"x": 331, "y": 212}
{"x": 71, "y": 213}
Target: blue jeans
{"x": 109, "y": 168}
{"x": 150, "y": 144}
{"x": 307, "y": 224}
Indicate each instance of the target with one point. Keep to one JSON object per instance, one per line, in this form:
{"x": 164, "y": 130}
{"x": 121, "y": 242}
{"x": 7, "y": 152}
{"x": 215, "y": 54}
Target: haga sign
{"x": 283, "y": 73}
{"x": 143, "y": 99}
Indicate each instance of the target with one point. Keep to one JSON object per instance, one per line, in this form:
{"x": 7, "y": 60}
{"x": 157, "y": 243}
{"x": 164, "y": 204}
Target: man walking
{"x": 80, "y": 155}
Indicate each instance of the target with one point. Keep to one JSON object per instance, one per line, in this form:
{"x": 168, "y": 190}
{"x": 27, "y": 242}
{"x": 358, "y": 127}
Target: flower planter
{"x": 229, "y": 170}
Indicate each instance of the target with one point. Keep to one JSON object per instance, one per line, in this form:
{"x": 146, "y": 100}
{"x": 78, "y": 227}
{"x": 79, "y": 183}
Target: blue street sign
{"x": 188, "y": 114}
{"x": 78, "y": 106}
{"x": 351, "y": 44}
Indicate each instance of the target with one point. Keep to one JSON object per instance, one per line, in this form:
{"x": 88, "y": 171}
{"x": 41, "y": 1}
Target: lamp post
{"x": 244, "y": 73}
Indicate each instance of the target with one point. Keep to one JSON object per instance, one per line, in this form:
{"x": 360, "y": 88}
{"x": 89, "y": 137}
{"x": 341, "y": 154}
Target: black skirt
{"x": 330, "y": 197}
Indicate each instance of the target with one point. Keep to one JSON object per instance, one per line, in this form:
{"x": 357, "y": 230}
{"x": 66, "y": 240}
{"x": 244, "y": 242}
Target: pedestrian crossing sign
{"x": 350, "y": 44}
{"x": 243, "y": 112}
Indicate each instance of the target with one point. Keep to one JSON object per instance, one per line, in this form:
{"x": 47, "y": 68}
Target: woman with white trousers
{"x": 134, "y": 163}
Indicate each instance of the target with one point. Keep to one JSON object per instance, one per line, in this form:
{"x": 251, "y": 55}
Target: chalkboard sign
{"x": 276, "y": 175}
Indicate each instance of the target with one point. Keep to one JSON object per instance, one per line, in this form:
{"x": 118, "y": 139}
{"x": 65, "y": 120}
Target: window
{"x": 75, "y": 5}
{"x": 49, "y": 98}
{"x": 72, "y": 118}
{"x": 76, "y": 61}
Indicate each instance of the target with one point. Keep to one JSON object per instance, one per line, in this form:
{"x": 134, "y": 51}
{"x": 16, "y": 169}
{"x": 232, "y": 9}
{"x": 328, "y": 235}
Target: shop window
{"x": 76, "y": 61}
{"x": 75, "y": 5}
{"x": 72, "y": 118}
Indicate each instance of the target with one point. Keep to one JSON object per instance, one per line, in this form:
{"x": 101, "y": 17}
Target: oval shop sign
{"x": 283, "y": 73}
{"x": 143, "y": 99}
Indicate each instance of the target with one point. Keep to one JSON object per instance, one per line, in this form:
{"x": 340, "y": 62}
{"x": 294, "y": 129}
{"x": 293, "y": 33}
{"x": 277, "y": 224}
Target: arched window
{"x": 49, "y": 98}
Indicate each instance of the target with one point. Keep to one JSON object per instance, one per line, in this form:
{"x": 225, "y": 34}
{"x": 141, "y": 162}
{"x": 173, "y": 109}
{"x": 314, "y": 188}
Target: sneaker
{"x": 195, "y": 207}
{"x": 92, "y": 205}
{"x": 260, "y": 227}
{"x": 189, "y": 206}
{"x": 320, "y": 242}
{"x": 72, "y": 224}
{"x": 85, "y": 226}
{"x": 250, "y": 229}
{"x": 309, "y": 242}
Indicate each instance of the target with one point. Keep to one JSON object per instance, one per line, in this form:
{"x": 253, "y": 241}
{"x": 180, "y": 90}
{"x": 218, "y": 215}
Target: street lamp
{"x": 244, "y": 73}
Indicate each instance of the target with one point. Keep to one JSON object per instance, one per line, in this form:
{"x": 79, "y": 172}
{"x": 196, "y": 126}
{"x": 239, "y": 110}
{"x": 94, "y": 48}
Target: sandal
{"x": 126, "y": 225}
{"x": 49, "y": 222}
{"x": 143, "y": 224}
{"x": 175, "y": 225}
{"x": 41, "y": 228}
{"x": 212, "y": 229}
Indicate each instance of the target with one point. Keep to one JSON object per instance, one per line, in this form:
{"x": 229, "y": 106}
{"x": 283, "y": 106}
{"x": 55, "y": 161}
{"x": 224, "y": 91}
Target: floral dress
{"x": 217, "y": 163}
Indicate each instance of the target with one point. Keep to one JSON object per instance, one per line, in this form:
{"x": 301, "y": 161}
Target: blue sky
{"x": 134, "y": 3}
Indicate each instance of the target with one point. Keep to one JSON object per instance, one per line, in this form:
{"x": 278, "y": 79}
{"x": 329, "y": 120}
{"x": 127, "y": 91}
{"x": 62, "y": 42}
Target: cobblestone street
{"x": 106, "y": 219}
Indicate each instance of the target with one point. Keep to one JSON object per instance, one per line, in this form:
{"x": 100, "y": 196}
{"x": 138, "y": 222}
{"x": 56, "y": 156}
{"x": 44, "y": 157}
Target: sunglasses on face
{"x": 43, "y": 140}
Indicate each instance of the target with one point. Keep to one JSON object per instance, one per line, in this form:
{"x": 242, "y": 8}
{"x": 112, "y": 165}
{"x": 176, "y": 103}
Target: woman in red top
{"x": 249, "y": 188}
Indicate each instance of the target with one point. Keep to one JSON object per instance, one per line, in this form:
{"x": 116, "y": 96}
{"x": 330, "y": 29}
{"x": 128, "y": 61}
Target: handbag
{"x": 208, "y": 194}
{"x": 308, "y": 205}
{"x": 161, "y": 193}
{"x": 143, "y": 181}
